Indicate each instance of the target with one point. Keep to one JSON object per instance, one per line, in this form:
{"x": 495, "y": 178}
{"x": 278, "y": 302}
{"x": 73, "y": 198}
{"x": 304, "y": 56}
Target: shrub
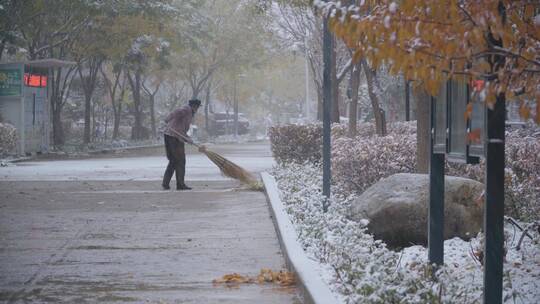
{"x": 303, "y": 143}
{"x": 296, "y": 143}
{"x": 363, "y": 270}
{"x": 360, "y": 162}
{"x": 8, "y": 138}
{"x": 362, "y": 129}
{"x": 522, "y": 174}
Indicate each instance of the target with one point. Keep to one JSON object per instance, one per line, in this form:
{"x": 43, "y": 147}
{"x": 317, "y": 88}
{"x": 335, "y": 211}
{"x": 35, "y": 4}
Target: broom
{"x": 227, "y": 167}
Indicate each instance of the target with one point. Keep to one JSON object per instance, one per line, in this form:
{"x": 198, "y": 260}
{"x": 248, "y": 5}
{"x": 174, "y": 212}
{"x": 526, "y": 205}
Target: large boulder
{"x": 397, "y": 208}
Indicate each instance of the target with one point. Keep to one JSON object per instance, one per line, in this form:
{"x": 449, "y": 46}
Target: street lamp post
{"x": 235, "y": 122}
{"x": 328, "y": 46}
{"x": 307, "y": 77}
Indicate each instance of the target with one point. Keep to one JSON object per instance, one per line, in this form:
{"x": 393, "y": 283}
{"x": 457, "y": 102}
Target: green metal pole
{"x": 436, "y": 199}
{"x": 328, "y": 46}
{"x": 494, "y": 204}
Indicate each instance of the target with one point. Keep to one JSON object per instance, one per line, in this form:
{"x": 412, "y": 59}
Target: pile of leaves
{"x": 8, "y": 138}
{"x": 282, "y": 278}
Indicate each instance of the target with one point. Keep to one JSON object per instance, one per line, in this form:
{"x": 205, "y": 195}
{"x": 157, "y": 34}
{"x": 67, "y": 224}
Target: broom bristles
{"x": 230, "y": 169}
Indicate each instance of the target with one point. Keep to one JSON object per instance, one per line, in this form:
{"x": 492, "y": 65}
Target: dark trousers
{"x": 177, "y": 161}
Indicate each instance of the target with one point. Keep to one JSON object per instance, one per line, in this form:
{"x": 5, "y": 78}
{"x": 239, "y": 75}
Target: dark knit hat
{"x": 195, "y": 102}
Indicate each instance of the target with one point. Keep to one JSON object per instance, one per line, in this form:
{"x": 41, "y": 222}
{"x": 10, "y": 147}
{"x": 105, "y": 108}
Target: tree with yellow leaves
{"x": 431, "y": 41}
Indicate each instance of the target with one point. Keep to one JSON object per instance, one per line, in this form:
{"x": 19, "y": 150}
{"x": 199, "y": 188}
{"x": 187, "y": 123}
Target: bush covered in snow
{"x": 363, "y": 270}
{"x": 296, "y": 143}
{"x": 523, "y": 176}
{"x": 522, "y": 184}
{"x": 8, "y": 138}
{"x": 360, "y": 162}
{"x": 303, "y": 143}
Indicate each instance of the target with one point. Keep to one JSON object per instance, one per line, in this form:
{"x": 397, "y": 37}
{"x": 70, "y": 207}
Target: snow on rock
{"x": 361, "y": 269}
{"x": 397, "y": 208}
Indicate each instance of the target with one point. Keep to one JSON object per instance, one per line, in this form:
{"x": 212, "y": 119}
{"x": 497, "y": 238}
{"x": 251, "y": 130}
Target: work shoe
{"x": 165, "y": 187}
{"x": 183, "y": 187}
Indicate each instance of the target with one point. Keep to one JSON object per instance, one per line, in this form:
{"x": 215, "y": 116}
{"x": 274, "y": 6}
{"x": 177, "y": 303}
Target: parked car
{"x": 221, "y": 123}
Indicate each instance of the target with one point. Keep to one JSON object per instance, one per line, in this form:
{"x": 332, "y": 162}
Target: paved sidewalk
{"x": 130, "y": 242}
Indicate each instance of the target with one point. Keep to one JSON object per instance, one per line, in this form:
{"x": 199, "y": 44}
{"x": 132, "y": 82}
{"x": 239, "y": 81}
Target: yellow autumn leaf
{"x": 233, "y": 278}
{"x": 468, "y": 111}
{"x": 266, "y": 275}
{"x": 524, "y": 111}
{"x": 473, "y": 137}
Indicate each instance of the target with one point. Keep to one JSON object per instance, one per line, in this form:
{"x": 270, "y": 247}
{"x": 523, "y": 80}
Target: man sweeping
{"x": 175, "y": 134}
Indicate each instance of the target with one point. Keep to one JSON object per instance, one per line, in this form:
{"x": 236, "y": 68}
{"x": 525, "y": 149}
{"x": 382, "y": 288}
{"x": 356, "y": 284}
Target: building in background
{"x": 24, "y": 102}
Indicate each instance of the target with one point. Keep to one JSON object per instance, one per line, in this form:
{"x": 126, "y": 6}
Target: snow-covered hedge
{"x": 296, "y": 143}
{"x": 522, "y": 184}
{"x": 303, "y": 143}
{"x": 8, "y": 138}
{"x": 360, "y": 162}
{"x": 523, "y": 176}
{"x": 362, "y": 270}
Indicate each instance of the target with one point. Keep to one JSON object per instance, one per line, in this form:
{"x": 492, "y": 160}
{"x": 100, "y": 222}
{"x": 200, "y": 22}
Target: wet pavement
{"x": 253, "y": 156}
{"x": 120, "y": 240}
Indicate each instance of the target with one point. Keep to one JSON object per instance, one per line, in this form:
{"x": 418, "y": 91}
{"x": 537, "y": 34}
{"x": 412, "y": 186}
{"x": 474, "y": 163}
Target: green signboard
{"x": 10, "y": 82}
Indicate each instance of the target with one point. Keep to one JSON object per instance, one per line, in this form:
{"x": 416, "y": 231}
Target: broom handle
{"x": 184, "y": 138}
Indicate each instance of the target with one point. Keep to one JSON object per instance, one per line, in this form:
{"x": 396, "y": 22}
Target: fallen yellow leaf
{"x": 283, "y": 278}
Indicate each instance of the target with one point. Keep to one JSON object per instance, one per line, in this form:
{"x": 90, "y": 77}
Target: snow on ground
{"x": 253, "y": 157}
{"x": 362, "y": 270}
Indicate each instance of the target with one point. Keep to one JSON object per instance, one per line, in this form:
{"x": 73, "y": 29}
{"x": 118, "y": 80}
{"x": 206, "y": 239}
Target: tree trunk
{"x": 422, "y": 130}
{"x": 87, "y": 109}
{"x": 93, "y": 120}
{"x": 56, "y": 109}
{"x": 353, "y": 105}
{"x": 135, "y": 83}
{"x": 319, "y": 105}
{"x": 152, "y": 99}
{"x": 116, "y": 128}
{"x": 106, "y": 116}
{"x": 117, "y": 108}
{"x": 153, "y": 115}
{"x": 116, "y": 104}
{"x": 2, "y": 47}
{"x": 89, "y": 85}
{"x": 380, "y": 125}
{"x": 207, "y": 106}
{"x": 59, "y": 89}
{"x": 118, "y": 115}
{"x": 58, "y": 130}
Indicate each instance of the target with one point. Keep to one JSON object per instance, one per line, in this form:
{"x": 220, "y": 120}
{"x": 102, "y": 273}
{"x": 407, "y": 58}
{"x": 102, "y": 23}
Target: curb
{"x": 113, "y": 150}
{"x": 16, "y": 160}
{"x": 91, "y": 152}
{"x": 313, "y": 288}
